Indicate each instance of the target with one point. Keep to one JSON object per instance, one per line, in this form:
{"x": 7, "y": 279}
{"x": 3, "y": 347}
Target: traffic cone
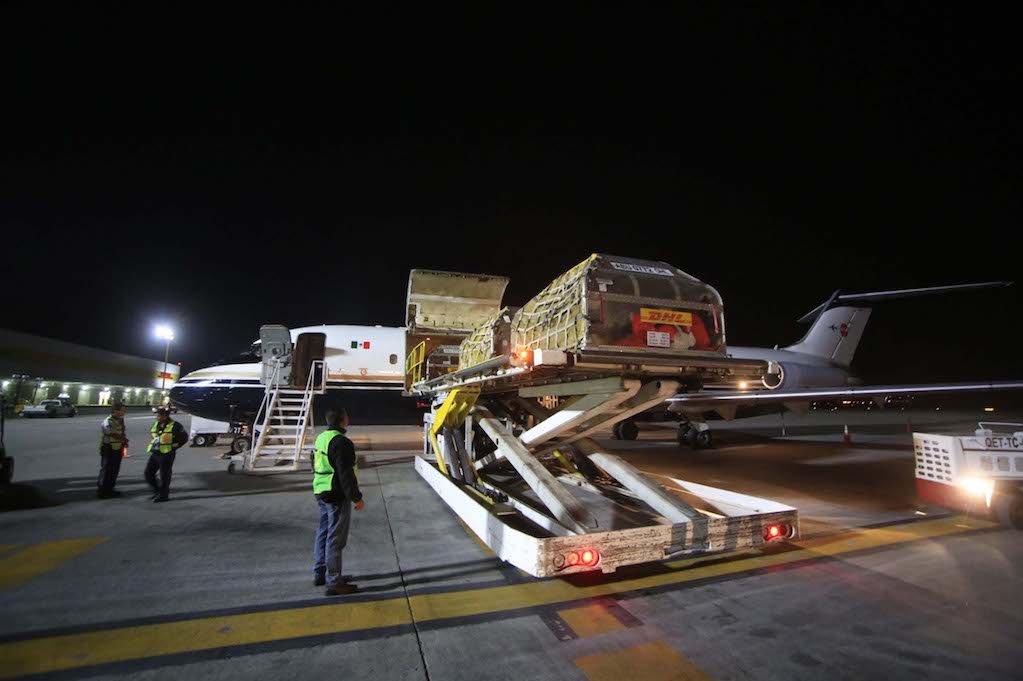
{"x": 845, "y": 434}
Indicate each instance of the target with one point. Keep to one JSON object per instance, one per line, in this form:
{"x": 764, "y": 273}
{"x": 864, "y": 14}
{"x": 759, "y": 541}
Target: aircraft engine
{"x": 796, "y": 376}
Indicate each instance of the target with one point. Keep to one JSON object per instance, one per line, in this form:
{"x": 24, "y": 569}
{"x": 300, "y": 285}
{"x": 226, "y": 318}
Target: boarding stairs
{"x": 281, "y": 436}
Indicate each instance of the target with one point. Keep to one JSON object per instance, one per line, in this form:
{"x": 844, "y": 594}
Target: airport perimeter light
{"x": 164, "y": 333}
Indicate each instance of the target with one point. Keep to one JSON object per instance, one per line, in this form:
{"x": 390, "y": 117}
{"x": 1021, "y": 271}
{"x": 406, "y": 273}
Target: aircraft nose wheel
{"x": 689, "y": 436}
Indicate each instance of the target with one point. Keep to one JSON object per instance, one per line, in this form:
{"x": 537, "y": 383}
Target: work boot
{"x": 319, "y": 579}
{"x": 160, "y": 498}
{"x": 341, "y": 590}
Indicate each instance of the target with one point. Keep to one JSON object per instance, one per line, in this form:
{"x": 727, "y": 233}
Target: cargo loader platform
{"x": 509, "y": 431}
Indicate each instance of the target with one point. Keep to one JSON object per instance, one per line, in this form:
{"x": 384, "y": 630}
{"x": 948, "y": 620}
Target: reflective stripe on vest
{"x": 115, "y": 438}
{"x": 164, "y": 440}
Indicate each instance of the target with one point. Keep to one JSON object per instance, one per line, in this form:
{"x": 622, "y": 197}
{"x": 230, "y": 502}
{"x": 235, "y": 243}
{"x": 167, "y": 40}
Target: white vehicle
{"x": 50, "y": 409}
{"x": 204, "y": 432}
{"x": 979, "y": 473}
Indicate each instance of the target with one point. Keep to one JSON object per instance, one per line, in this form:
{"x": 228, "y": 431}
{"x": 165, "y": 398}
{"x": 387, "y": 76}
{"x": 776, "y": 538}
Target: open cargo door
{"x": 452, "y": 303}
{"x": 443, "y": 308}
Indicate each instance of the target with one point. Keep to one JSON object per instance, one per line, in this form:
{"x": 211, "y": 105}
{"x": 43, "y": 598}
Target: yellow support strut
{"x": 451, "y": 414}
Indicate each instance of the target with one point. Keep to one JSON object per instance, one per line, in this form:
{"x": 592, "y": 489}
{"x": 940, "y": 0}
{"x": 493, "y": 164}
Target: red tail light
{"x": 584, "y": 558}
{"x": 776, "y": 532}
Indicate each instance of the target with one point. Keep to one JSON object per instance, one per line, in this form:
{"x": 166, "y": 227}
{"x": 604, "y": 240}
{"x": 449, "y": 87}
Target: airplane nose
{"x": 177, "y": 396}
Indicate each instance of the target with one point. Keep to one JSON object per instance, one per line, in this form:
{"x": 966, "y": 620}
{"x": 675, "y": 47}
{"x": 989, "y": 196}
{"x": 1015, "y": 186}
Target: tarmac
{"x": 218, "y": 582}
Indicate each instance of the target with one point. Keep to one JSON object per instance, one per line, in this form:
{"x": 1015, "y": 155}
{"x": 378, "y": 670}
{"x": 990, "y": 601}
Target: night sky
{"x": 242, "y": 170}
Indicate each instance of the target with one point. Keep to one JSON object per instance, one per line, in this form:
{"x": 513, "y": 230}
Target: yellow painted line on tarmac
{"x": 60, "y": 652}
{"x": 57, "y": 653}
{"x": 590, "y": 620}
{"x": 655, "y": 661}
{"x": 32, "y": 561}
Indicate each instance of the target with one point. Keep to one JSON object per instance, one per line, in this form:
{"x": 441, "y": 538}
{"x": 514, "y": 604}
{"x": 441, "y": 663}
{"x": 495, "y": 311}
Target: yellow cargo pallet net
{"x": 555, "y": 318}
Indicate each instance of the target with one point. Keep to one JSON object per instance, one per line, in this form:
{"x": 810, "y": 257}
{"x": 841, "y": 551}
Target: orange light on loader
{"x": 776, "y": 532}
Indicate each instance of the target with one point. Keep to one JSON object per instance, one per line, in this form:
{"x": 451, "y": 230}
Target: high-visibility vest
{"x": 162, "y": 441}
{"x": 115, "y": 438}
{"x": 323, "y": 472}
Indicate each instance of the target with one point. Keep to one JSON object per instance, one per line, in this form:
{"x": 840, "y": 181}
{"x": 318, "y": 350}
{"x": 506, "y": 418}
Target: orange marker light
{"x": 773, "y": 532}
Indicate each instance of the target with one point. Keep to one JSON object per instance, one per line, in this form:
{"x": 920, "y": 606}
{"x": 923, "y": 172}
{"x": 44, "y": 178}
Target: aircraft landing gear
{"x": 625, "y": 430}
{"x": 697, "y": 436}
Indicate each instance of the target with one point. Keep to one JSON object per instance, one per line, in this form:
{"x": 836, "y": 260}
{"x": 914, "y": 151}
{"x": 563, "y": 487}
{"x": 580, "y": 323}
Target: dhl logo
{"x": 655, "y": 316}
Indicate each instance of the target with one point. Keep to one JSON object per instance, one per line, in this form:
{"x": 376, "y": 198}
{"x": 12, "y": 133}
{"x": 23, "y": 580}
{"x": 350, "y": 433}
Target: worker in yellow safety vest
{"x": 111, "y": 447}
{"x": 167, "y": 437}
{"x": 336, "y": 487}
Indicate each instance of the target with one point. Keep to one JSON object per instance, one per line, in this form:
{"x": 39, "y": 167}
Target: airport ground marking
{"x": 592, "y": 619}
{"x": 120, "y": 644}
{"x": 656, "y": 661}
{"x": 32, "y": 561}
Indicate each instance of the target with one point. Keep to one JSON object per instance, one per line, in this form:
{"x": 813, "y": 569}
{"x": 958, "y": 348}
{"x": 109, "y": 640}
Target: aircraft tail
{"x": 835, "y": 334}
{"x": 837, "y": 329}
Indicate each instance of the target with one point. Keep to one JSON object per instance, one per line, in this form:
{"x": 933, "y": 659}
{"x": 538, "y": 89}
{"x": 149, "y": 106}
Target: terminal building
{"x": 33, "y": 368}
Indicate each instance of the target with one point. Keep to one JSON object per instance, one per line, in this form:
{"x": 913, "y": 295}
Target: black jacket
{"x": 345, "y": 484}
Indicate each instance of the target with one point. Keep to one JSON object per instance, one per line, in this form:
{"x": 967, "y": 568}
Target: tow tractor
{"x": 980, "y": 473}
{"x": 508, "y": 440}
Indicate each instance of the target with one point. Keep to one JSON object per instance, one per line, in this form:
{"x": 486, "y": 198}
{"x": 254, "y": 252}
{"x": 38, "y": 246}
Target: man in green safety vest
{"x": 111, "y": 449}
{"x": 336, "y": 486}
{"x": 167, "y": 437}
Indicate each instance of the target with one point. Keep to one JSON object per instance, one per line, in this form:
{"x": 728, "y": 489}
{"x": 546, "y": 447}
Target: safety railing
{"x": 266, "y": 407}
{"x": 316, "y": 384}
{"x": 414, "y": 364}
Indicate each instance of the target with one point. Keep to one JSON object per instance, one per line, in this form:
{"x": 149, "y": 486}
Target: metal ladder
{"x": 284, "y": 420}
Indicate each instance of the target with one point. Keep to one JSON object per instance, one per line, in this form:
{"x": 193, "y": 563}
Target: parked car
{"x": 50, "y": 409}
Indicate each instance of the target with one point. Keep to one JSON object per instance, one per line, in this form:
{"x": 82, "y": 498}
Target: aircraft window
{"x": 394, "y": 359}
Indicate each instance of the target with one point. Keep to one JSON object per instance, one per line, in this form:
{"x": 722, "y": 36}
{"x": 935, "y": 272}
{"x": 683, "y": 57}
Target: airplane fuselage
{"x": 365, "y": 375}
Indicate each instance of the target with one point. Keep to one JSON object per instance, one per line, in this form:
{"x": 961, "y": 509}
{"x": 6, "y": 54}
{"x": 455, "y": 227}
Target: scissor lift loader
{"x": 508, "y": 439}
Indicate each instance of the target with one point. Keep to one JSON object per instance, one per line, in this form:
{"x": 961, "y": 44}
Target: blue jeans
{"x": 331, "y": 537}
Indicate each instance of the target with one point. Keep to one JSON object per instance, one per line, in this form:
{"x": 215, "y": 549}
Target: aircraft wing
{"x": 716, "y": 399}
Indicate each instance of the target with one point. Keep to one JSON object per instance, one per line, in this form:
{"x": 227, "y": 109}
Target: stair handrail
{"x": 312, "y": 386}
{"x": 266, "y": 406}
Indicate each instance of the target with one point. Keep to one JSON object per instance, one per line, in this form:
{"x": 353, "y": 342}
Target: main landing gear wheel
{"x": 1009, "y": 509}
{"x": 625, "y": 430}
{"x": 239, "y": 445}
